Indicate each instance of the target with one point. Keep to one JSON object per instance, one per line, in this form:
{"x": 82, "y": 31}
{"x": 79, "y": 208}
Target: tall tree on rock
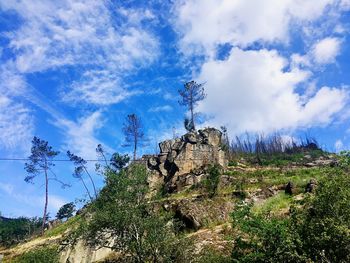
{"x": 191, "y": 94}
{"x": 41, "y": 161}
{"x": 133, "y": 131}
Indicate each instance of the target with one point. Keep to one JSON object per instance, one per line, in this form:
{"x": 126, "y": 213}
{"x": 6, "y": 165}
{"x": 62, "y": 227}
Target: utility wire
{"x": 54, "y": 160}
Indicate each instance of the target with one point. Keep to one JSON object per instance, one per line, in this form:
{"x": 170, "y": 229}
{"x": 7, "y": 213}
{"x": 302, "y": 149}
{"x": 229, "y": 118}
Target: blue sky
{"x": 72, "y": 70}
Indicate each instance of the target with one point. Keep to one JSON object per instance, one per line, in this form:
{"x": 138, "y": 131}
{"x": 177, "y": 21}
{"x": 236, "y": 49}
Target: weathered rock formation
{"x": 80, "y": 252}
{"x": 181, "y": 161}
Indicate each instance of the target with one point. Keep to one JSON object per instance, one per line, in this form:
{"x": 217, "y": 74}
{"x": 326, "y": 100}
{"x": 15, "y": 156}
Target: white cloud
{"x": 326, "y": 50}
{"x": 55, "y": 202}
{"x": 260, "y": 90}
{"x": 339, "y": 146}
{"x": 16, "y": 125}
{"x": 205, "y": 24}
{"x": 80, "y": 136}
{"x": 256, "y": 93}
{"x": 84, "y": 34}
{"x": 345, "y": 4}
{"x": 161, "y": 108}
{"x": 97, "y": 87}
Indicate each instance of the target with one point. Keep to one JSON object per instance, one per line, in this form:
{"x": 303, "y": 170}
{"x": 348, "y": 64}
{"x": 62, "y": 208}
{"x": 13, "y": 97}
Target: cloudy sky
{"x": 71, "y": 71}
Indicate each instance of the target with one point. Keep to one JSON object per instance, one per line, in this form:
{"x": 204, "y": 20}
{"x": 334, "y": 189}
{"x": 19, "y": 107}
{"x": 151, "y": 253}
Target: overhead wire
{"x": 53, "y": 160}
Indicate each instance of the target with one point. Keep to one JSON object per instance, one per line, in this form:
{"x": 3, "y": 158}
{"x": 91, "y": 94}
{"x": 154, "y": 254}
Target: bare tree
{"x": 80, "y": 167}
{"x": 133, "y": 132}
{"x": 191, "y": 94}
{"x": 41, "y": 161}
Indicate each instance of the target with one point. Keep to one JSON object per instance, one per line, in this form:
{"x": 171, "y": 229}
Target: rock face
{"x": 82, "y": 253}
{"x": 181, "y": 161}
{"x": 195, "y": 213}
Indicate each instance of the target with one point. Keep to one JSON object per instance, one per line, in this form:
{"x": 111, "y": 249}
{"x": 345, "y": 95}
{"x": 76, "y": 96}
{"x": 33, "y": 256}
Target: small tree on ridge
{"x": 191, "y": 94}
{"x": 133, "y": 132}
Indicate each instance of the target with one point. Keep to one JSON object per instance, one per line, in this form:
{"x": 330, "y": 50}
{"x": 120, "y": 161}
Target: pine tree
{"x": 191, "y": 94}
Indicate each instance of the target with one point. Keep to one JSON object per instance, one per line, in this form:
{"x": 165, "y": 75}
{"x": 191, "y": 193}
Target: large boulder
{"x": 182, "y": 161}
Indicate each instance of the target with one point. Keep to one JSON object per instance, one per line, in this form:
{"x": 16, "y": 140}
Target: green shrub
{"x": 40, "y": 255}
{"x": 232, "y": 163}
{"x": 210, "y": 255}
{"x": 15, "y": 230}
{"x": 123, "y": 210}
{"x": 212, "y": 181}
{"x": 317, "y": 231}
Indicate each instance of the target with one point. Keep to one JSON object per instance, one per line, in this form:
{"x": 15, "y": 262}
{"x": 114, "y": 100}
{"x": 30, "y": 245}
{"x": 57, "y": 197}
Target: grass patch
{"x": 273, "y": 204}
{"x": 60, "y": 229}
{"x": 39, "y": 255}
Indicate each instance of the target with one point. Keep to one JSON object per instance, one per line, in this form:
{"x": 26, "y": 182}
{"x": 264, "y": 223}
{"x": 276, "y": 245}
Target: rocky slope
{"x": 179, "y": 171}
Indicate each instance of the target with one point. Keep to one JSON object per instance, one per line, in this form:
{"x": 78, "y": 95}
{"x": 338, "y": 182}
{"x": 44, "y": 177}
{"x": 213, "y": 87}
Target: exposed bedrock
{"x": 182, "y": 161}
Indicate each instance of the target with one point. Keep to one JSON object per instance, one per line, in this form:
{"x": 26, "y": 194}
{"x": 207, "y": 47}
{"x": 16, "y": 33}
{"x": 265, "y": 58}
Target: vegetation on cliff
{"x": 295, "y": 209}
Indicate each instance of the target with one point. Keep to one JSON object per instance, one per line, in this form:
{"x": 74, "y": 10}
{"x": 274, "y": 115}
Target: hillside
{"x": 194, "y": 184}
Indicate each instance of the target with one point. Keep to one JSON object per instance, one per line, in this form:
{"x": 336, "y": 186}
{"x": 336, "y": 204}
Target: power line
{"x": 54, "y": 160}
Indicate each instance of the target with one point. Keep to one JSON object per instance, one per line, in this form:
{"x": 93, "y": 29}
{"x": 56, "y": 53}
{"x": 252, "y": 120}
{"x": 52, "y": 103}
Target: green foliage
{"x": 232, "y": 163}
{"x": 210, "y": 255}
{"x": 212, "y": 181}
{"x": 325, "y": 222}
{"x": 119, "y": 161}
{"x": 264, "y": 239}
{"x": 13, "y": 231}
{"x": 66, "y": 211}
{"x": 316, "y": 232}
{"x": 40, "y": 255}
{"x": 344, "y": 159}
{"x": 273, "y": 204}
{"x": 40, "y": 159}
{"x": 41, "y": 162}
{"x": 79, "y": 169}
{"x": 122, "y": 211}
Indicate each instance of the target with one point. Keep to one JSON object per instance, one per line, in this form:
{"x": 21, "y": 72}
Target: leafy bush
{"x": 263, "y": 239}
{"x": 41, "y": 255}
{"x": 15, "y": 230}
{"x": 344, "y": 159}
{"x": 122, "y": 210}
{"x": 325, "y": 222}
{"x": 212, "y": 181}
{"x": 66, "y": 211}
{"x": 316, "y": 232}
{"x": 210, "y": 255}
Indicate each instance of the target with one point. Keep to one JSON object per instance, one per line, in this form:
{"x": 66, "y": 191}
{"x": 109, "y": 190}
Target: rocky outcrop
{"x": 181, "y": 161}
{"x": 327, "y": 160}
{"x": 197, "y": 212}
{"x": 80, "y": 252}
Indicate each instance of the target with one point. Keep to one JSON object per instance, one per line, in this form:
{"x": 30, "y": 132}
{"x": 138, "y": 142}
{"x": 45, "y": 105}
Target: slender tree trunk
{"x": 191, "y": 109}
{"x": 135, "y": 146}
{"x": 87, "y": 190}
{"x": 46, "y": 202}
{"x": 92, "y": 181}
{"x": 192, "y": 117}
